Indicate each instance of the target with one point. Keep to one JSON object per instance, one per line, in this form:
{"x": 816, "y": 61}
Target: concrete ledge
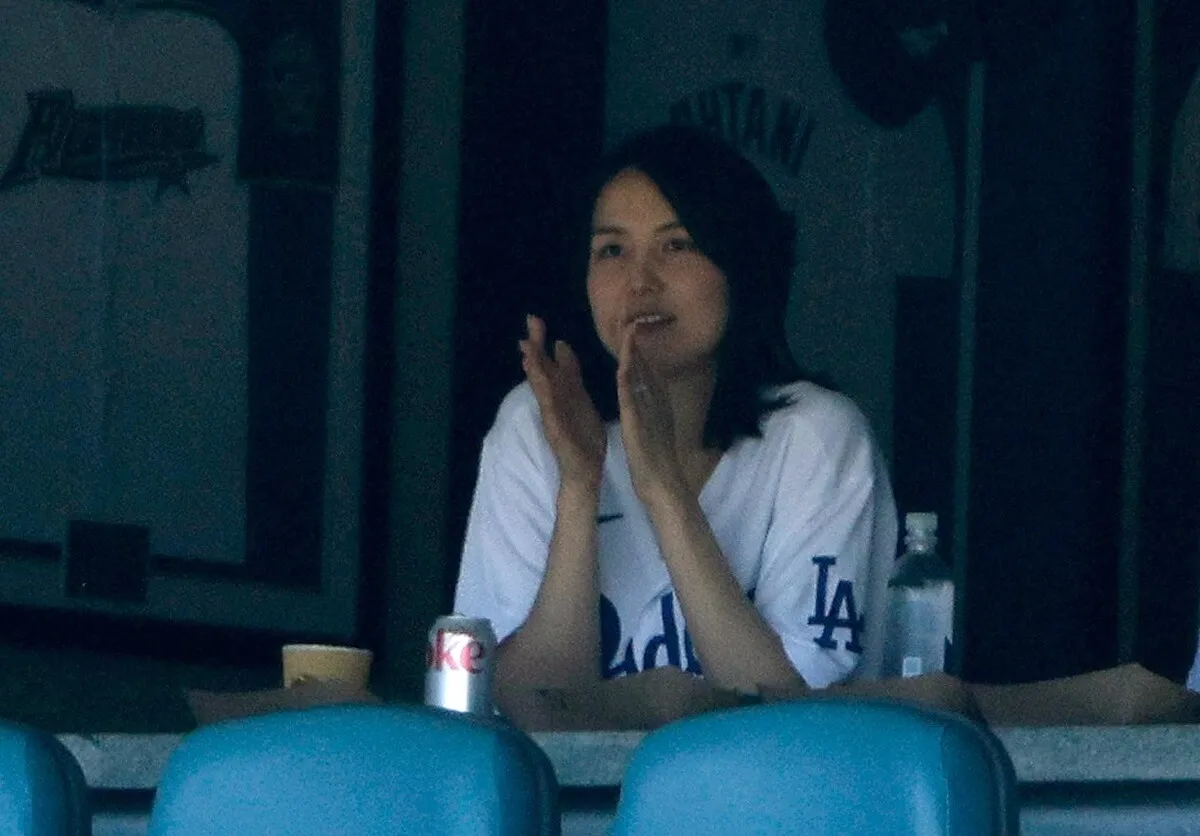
{"x": 1093, "y": 754}
{"x": 1070, "y": 754}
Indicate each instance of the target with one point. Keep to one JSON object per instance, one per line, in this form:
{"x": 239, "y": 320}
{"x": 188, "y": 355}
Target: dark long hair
{"x": 733, "y": 217}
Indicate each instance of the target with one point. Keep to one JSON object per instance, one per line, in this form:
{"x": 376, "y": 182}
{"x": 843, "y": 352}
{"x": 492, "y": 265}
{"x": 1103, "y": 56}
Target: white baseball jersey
{"x": 804, "y": 516}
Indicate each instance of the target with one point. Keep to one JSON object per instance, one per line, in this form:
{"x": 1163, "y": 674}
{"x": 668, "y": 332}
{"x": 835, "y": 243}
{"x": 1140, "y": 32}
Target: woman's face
{"x": 644, "y": 271}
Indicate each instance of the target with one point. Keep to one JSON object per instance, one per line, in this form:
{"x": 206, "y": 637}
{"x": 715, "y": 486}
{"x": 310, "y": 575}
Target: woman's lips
{"x": 650, "y": 320}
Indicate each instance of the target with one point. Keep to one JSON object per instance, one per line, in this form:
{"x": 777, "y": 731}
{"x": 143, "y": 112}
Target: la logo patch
{"x": 839, "y": 613}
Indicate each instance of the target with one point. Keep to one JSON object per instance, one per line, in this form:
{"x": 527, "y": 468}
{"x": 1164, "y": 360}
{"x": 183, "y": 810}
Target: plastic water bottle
{"x": 920, "y": 603}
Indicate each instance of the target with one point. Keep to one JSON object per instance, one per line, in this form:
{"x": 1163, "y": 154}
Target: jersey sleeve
{"x": 830, "y": 547}
{"x": 511, "y": 519}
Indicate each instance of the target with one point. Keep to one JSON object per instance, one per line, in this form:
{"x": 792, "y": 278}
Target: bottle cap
{"x": 925, "y": 521}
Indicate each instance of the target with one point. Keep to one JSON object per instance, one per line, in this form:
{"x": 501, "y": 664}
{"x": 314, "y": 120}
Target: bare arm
{"x": 1124, "y": 695}
{"x": 1120, "y": 696}
{"x": 737, "y": 647}
{"x": 663, "y": 695}
{"x": 644, "y": 701}
{"x": 559, "y": 642}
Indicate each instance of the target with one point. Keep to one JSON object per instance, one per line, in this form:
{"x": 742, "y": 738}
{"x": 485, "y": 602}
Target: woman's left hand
{"x": 647, "y": 423}
{"x": 643, "y": 700}
{"x": 936, "y": 690}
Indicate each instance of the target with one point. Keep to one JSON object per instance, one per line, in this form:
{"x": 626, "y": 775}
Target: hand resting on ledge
{"x": 936, "y": 690}
{"x": 1124, "y": 695}
{"x": 1127, "y": 695}
{"x": 653, "y": 698}
{"x": 643, "y": 701}
{"x": 211, "y": 707}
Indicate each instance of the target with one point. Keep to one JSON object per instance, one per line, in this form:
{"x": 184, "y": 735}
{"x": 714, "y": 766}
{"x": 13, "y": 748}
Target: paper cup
{"x": 351, "y": 665}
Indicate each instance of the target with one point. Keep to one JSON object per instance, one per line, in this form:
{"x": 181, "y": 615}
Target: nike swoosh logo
{"x": 603, "y": 518}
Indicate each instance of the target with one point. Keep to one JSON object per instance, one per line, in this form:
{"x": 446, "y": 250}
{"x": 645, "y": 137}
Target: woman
{"x": 704, "y": 510}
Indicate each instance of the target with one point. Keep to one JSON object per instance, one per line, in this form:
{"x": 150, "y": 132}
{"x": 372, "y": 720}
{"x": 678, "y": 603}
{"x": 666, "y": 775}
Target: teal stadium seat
{"x": 820, "y": 768}
{"x": 367, "y": 770}
{"x": 42, "y": 788}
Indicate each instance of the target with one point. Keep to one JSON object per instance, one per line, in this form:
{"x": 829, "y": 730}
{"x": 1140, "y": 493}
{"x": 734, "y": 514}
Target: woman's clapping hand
{"x": 572, "y": 426}
{"x": 647, "y": 423}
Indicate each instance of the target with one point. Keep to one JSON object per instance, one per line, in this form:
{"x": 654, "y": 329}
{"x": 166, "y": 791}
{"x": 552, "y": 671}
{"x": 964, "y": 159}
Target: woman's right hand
{"x": 936, "y": 690}
{"x": 569, "y": 418}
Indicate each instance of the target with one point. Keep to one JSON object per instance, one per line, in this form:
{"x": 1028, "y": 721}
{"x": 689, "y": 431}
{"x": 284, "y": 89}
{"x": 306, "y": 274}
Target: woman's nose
{"x": 643, "y": 278}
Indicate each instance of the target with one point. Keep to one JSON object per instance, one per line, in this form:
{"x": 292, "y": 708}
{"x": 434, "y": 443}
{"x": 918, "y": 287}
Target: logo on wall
{"x": 108, "y": 143}
{"x": 290, "y": 82}
{"x": 750, "y": 120}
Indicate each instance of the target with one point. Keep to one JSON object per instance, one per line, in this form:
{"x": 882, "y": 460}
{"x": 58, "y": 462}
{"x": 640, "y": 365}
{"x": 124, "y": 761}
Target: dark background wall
{"x": 1169, "y": 507}
{"x": 1057, "y": 360}
{"x": 1050, "y": 349}
{"x": 1047, "y": 431}
{"x": 533, "y": 117}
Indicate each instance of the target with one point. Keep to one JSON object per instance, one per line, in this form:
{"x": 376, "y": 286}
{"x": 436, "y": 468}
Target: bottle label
{"x": 920, "y": 629}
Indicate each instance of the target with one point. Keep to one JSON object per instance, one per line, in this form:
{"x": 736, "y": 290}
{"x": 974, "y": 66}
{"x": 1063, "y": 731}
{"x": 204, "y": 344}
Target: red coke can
{"x": 460, "y": 656}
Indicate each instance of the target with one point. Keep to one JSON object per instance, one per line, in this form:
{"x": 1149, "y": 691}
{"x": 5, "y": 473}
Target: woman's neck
{"x": 691, "y": 395}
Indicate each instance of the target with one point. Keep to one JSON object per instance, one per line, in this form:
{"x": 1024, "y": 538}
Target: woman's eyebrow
{"x": 610, "y": 229}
